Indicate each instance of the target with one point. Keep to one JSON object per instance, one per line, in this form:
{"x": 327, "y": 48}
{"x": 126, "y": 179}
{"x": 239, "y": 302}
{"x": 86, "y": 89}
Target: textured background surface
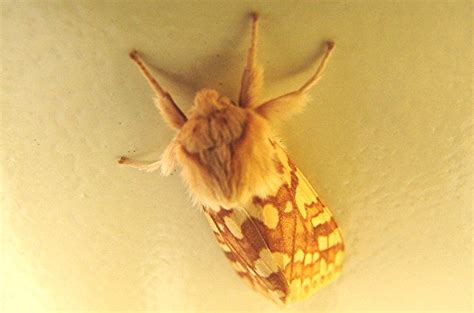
{"x": 386, "y": 140}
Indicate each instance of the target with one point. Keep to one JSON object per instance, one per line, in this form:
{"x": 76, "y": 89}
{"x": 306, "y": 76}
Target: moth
{"x": 269, "y": 221}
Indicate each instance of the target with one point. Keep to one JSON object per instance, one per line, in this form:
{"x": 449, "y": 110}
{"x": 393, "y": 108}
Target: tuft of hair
{"x": 283, "y": 108}
{"x": 225, "y": 152}
{"x": 168, "y": 162}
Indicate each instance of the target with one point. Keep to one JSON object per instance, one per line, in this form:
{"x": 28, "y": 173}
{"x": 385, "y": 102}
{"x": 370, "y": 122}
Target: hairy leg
{"x": 140, "y": 165}
{"x": 288, "y": 104}
{"x": 317, "y": 75}
{"x": 168, "y": 108}
{"x": 252, "y": 77}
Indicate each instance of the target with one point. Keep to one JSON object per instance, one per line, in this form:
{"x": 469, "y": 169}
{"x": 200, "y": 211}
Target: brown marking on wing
{"x": 310, "y": 256}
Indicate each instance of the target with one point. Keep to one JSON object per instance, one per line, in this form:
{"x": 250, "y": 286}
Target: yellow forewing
{"x": 286, "y": 245}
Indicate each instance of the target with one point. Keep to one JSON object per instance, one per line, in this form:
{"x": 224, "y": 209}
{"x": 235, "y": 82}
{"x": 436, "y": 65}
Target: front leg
{"x": 252, "y": 77}
{"x": 284, "y": 106}
{"x": 171, "y": 113}
{"x": 140, "y": 165}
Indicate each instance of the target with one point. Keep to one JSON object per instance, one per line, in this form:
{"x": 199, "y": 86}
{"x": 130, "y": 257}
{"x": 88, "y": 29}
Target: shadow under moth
{"x": 267, "y": 218}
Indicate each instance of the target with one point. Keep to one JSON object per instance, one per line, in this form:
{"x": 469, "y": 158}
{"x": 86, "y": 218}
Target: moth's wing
{"x": 247, "y": 251}
{"x": 324, "y": 240}
{"x": 286, "y": 245}
{"x": 300, "y": 232}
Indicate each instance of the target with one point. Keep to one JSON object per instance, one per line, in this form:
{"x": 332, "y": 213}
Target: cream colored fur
{"x": 225, "y": 152}
{"x": 283, "y": 108}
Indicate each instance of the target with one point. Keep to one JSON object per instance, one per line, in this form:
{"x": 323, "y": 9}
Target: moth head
{"x": 214, "y": 121}
{"x": 225, "y": 151}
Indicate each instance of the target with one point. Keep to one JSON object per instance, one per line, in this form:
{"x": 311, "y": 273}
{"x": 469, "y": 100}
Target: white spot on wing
{"x": 233, "y": 227}
{"x": 265, "y": 265}
{"x": 270, "y": 216}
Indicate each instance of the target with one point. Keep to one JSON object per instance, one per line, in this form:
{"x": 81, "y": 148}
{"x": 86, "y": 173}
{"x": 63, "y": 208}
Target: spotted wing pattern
{"x": 287, "y": 245}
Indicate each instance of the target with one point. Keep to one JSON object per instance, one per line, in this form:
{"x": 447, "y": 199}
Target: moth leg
{"x": 290, "y": 103}
{"x": 168, "y": 108}
{"x": 140, "y": 165}
{"x": 252, "y": 77}
{"x": 317, "y": 75}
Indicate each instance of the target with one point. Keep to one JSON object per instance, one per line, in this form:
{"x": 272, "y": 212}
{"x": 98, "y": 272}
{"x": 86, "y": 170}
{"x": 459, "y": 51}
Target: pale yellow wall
{"x": 386, "y": 140}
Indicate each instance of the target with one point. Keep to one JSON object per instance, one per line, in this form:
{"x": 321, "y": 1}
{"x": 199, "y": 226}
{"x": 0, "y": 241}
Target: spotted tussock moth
{"x": 271, "y": 224}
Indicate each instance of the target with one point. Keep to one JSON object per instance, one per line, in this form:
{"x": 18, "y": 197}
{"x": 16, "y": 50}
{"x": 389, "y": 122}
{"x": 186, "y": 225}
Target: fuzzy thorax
{"x": 225, "y": 152}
